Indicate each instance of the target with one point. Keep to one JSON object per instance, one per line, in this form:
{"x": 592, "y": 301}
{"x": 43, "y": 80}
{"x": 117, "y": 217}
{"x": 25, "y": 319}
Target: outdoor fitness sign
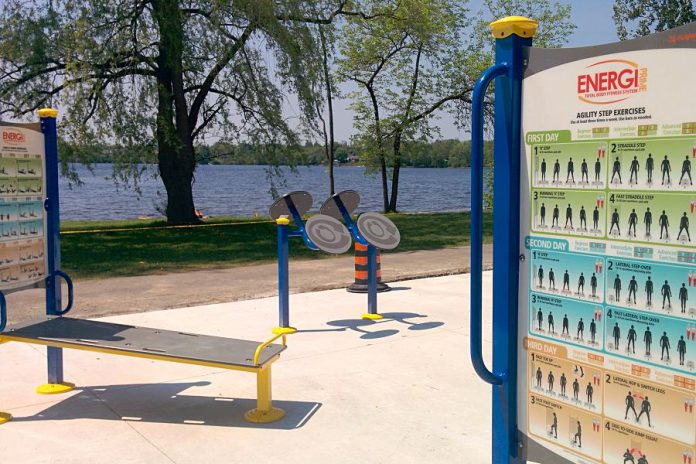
{"x": 607, "y": 297}
{"x": 22, "y": 215}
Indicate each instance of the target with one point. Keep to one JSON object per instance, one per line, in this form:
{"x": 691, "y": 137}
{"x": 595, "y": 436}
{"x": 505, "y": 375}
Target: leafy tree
{"x": 155, "y": 76}
{"x": 634, "y": 18}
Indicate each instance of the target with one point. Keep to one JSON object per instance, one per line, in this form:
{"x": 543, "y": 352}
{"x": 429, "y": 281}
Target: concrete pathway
{"x": 121, "y": 295}
{"x": 401, "y": 390}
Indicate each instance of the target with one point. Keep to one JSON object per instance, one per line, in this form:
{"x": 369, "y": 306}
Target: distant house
{"x": 353, "y": 158}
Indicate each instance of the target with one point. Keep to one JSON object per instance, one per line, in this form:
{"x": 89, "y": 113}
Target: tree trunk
{"x": 176, "y": 155}
{"x": 380, "y": 149}
{"x": 395, "y": 172}
{"x": 330, "y": 143}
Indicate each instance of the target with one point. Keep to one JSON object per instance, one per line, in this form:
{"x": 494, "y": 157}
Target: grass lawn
{"x": 136, "y": 247}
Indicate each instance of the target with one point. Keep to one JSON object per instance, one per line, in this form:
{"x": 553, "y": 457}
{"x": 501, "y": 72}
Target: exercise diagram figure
{"x": 539, "y": 376}
{"x": 554, "y": 218}
{"x": 593, "y": 285}
{"x": 617, "y": 288}
{"x": 576, "y": 390}
{"x": 649, "y": 291}
{"x": 684, "y": 227}
{"x": 686, "y": 170}
{"x": 550, "y": 380}
{"x": 643, "y": 460}
{"x": 563, "y": 381}
{"x": 630, "y": 406}
{"x": 597, "y": 170}
{"x": 588, "y": 392}
{"x": 564, "y": 329}
{"x": 683, "y": 297}
{"x": 634, "y": 170}
{"x": 578, "y": 436}
{"x": 569, "y": 216}
{"x": 540, "y": 275}
{"x": 583, "y": 218}
{"x": 631, "y": 340}
{"x": 550, "y": 322}
{"x": 664, "y": 225}
{"x": 542, "y": 213}
{"x": 581, "y": 330}
{"x": 616, "y": 332}
{"x": 681, "y": 349}
{"x": 649, "y": 166}
{"x": 647, "y": 220}
{"x": 556, "y": 171}
{"x": 554, "y": 426}
{"x": 571, "y": 171}
{"x": 666, "y": 169}
{"x": 647, "y": 338}
{"x": 566, "y": 281}
{"x": 666, "y": 295}
{"x": 552, "y": 279}
{"x": 584, "y": 174}
{"x": 540, "y": 319}
{"x": 581, "y": 284}
{"x": 543, "y": 169}
{"x": 632, "y": 221}
{"x": 645, "y": 408}
{"x": 664, "y": 344}
{"x": 628, "y": 457}
{"x": 593, "y": 330}
{"x": 616, "y": 170}
{"x": 615, "y": 222}
{"x": 595, "y": 219}
{"x": 632, "y": 289}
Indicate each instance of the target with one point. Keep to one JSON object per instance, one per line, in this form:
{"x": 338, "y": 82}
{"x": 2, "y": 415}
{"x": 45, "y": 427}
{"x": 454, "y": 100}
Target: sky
{"x": 594, "y": 26}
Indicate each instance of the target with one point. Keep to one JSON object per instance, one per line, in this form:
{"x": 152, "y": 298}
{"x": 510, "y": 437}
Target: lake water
{"x": 244, "y": 191}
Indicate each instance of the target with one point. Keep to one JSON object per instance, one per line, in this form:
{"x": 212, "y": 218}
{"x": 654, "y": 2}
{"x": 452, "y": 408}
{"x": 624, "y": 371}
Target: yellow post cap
{"x": 524, "y": 27}
{"x": 48, "y": 113}
{"x": 282, "y": 221}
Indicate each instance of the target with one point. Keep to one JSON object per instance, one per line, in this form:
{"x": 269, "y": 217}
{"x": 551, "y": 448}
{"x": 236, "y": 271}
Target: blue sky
{"x": 594, "y": 26}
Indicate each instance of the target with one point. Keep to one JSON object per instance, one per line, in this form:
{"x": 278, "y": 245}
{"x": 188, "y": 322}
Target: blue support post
{"x": 56, "y": 383}
{"x": 371, "y": 279}
{"x": 52, "y": 205}
{"x": 513, "y": 35}
{"x": 283, "y": 277}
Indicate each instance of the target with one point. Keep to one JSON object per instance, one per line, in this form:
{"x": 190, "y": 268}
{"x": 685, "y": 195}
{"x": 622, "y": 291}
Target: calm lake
{"x": 244, "y": 191}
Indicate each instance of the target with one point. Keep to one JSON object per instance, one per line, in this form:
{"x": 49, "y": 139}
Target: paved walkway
{"x": 121, "y": 295}
{"x": 401, "y": 390}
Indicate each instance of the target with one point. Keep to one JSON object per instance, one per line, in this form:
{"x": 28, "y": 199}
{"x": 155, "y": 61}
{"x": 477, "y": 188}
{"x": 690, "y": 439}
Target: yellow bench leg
{"x": 264, "y": 411}
{"x": 5, "y": 417}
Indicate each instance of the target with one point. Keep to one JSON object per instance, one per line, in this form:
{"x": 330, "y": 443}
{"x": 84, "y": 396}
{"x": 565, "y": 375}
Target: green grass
{"x": 137, "y": 247}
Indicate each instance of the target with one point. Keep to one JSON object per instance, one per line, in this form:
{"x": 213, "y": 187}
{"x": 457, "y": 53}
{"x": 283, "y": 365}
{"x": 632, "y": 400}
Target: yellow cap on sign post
{"x": 48, "y": 113}
{"x": 519, "y": 25}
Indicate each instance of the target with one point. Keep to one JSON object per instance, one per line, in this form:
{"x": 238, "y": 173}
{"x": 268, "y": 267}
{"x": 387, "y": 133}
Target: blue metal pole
{"x": 283, "y": 273}
{"x": 371, "y": 279}
{"x": 506, "y": 220}
{"x": 52, "y": 206}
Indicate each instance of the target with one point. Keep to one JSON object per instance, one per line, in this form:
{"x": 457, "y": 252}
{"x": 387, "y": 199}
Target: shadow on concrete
{"x": 398, "y": 289}
{"x": 359, "y": 325}
{"x": 164, "y": 404}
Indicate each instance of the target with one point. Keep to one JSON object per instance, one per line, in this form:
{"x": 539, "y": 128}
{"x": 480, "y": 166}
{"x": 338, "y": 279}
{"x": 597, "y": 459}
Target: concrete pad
{"x": 398, "y": 390}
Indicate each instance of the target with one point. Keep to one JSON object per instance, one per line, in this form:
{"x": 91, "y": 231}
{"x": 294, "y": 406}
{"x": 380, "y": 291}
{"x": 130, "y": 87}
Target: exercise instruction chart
{"x": 607, "y": 356}
{"x": 22, "y": 214}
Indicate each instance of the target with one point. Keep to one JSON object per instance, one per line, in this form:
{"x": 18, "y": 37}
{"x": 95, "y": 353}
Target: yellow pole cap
{"x": 524, "y": 27}
{"x": 282, "y": 221}
{"x": 48, "y": 113}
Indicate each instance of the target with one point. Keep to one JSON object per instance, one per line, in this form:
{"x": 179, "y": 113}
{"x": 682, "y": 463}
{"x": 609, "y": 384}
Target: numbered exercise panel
{"x": 607, "y": 312}
{"x": 22, "y": 215}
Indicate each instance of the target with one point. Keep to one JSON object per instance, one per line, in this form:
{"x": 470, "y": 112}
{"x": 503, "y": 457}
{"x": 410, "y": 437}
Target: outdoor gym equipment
{"x": 319, "y": 233}
{"x": 29, "y": 164}
{"x": 567, "y": 392}
{"x": 372, "y": 230}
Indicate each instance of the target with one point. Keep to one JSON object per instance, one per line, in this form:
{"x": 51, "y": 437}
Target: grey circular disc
{"x": 379, "y": 231}
{"x": 329, "y": 234}
{"x": 301, "y": 199}
{"x": 350, "y": 199}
